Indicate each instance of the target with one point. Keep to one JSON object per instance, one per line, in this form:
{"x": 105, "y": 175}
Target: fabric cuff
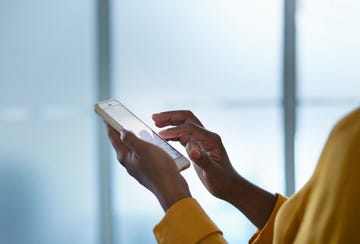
{"x": 184, "y": 222}
{"x": 265, "y": 235}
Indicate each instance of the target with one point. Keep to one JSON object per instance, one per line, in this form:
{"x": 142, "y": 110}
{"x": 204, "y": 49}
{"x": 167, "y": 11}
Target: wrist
{"x": 171, "y": 191}
{"x": 254, "y": 202}
{"x": 234, "y": 188}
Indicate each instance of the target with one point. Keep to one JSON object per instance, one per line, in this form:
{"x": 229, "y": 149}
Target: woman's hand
{"x": 150, "y": 166}
{"x": 205, "y": 149}
{"x": 213, "y": 165}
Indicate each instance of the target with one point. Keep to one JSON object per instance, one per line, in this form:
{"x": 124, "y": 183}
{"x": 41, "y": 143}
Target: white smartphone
{"x": 119, "y": 117}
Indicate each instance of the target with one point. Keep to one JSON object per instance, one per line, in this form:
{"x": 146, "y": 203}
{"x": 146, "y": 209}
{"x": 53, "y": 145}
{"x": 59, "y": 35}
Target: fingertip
{"x": 154, "y": 115}
{"x": 161, "y": 119}
{"x": 129, "y": 138}
{"x": 165, "y": 134}
{"x": 156, "y": 119}
{"x": 126, "y": 135}
{"x": 158, "y": 124}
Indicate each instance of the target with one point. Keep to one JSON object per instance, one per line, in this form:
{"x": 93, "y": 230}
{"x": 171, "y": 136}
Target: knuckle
{"x": 216, "y": 137}
{"x": 189, "y": 112}
{"x": 191, "y": 118}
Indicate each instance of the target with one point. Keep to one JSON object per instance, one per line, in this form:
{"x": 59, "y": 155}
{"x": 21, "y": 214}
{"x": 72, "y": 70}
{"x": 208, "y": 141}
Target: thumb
{"x": 132, "y": 141}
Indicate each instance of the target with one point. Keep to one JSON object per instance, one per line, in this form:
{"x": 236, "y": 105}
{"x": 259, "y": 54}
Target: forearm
{"x": 254, "y": 202}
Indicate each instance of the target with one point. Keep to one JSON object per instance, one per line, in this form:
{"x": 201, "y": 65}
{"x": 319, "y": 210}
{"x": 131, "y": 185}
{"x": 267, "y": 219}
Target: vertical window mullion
{"x": 289, "y": 93}
{"x": 103, "y": 66}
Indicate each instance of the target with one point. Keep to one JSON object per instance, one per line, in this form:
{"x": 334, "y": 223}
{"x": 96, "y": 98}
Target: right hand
{"x": 205, "y": 149}
{"x": 213, "y": 166}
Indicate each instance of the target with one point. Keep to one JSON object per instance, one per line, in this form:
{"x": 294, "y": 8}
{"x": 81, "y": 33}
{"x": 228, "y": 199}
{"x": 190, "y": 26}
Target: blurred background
{"x": 271, "y": 77}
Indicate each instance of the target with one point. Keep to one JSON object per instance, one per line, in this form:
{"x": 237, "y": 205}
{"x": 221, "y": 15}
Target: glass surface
{"x": 47, "y": 181}
{"x": 220, "y": 59}
{"x": 329, "y": 50}
{"x": 214, "y": 49}
{"x": 48, "y": 167}
{"x": 313, "y": 128}
{"x": 47, "y": 47}
{"x": 328, "y": 77}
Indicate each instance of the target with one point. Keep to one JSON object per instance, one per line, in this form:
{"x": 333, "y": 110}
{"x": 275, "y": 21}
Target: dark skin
{"x": 150, "y": 166}
{"x": 144, "y": 161}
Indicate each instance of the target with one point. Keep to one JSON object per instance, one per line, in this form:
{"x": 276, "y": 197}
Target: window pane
{"x": 217, "y": 49}
{"x": 219, "y": 59}
{"x": 313, "y": 128}
{"x": 47, "y": 181}
{"x": 48, "y": 188}
{"x": 329, "y": 49}
{"x": 329, "y": 53}
{"x": 47, "y": 46}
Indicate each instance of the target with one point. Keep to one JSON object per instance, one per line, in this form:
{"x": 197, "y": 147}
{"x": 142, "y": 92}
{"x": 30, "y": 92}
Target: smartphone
{"x": 119, "y": 117}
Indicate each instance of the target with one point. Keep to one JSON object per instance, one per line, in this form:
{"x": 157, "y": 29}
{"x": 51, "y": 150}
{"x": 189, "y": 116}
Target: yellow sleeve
{"x": 265, "y": 235}
{"x": 187, "y": 222}
{"x": 332, "y": 214}
{"x": 325, "y": 210}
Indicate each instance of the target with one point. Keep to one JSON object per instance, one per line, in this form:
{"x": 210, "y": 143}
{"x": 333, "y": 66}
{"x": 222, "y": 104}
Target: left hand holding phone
{"x": 151, "y": 166}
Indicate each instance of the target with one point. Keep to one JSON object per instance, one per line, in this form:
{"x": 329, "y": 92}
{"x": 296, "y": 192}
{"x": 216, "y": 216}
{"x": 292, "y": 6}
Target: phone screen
{"x": 130, "y": 122}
